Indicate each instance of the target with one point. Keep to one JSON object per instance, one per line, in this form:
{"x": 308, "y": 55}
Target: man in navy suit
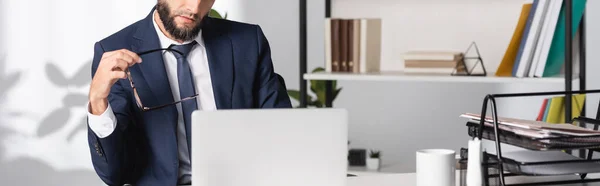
{"x": 150, "y": 76}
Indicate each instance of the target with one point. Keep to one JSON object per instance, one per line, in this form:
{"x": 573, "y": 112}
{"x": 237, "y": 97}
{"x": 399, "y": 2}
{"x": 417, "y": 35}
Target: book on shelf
{"x": 505, "y": 68}
{"x": 543, "y": 46}
{"x": 432, "y": 55}
{"x": 355, "y": 51}
{"x": 352, "y": 45}
{"x": 537, "y": 46}
{"x": 430, "y": 64}
{"x": 344, "y": 32}
{"x": 546, "y": 110}
{"x": 444, "y": 62}
{"x": 332, "y": 51}
{"x": 556, "y": 54}
{"x": 542, "y": 112}
{"x": 553, "y": 109}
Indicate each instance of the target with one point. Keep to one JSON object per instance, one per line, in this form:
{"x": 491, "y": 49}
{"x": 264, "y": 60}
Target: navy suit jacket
{"x": 142, "y": 150}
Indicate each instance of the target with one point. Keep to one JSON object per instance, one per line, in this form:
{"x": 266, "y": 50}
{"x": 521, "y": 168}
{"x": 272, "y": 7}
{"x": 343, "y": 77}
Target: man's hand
{"x": 112, "y": 67}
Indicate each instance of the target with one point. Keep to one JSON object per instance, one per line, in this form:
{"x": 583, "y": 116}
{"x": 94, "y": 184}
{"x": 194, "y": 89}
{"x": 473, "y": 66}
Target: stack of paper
{"x": 536, "y": 129}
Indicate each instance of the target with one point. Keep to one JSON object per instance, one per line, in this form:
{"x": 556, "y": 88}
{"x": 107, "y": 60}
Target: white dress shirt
{"x": 104, "y": 124}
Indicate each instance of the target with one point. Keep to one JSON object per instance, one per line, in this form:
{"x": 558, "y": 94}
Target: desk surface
{"x": 409, "y": 179}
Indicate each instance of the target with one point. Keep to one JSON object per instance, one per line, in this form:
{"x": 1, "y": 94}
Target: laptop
{"x": 270, "y": 147}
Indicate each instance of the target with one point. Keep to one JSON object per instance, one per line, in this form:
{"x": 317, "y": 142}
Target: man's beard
{"x": 168, "y": 20}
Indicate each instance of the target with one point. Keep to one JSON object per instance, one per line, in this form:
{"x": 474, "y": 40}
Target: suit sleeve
{"x": 272, "y": 92}
{"x": 110, "y": 153}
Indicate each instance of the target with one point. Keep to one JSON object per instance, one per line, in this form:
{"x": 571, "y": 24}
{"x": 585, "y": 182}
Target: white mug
{"x": 436, "y": 167}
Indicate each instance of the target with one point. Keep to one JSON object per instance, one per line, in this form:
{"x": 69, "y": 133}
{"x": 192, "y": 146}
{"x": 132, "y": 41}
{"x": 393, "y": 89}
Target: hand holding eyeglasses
{"x": 112, "y": 67}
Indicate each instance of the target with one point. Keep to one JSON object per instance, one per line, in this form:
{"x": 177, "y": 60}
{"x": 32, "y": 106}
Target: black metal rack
{"x": 497, "y": 135}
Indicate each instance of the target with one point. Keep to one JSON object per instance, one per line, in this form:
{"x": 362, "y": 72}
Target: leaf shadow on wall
{"x": 7, "y": 82}
{"x": 25, "y": 171}
{"x": 58, "y": 118}
{"x": 32, "y": 171}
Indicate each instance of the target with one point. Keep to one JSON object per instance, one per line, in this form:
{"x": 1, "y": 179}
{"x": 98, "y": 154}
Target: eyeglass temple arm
{"x": 166, "y": 105}
{"x": 159, "y": 49}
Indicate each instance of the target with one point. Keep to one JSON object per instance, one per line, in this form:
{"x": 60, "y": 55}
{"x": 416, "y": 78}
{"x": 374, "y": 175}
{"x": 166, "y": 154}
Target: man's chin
{"x": 185, "y": 26}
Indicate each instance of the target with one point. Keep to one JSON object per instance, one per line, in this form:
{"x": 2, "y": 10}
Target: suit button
{"x": 96, "y": 144}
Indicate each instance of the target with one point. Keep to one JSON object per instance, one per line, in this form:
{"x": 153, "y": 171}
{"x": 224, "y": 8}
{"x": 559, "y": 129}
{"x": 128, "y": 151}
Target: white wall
{"x": 593, "y": 57}
{"x": 49, "y": 45}
{"x": 2, "y": 35}
{"x": 593, "y": 45}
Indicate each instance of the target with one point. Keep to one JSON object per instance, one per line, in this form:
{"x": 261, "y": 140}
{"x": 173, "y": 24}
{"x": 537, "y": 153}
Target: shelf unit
{"x": 425, "y": 77}
{"x": 567, "y": 79}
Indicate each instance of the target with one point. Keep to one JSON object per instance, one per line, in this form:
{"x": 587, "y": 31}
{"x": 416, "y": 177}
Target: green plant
{"x": 318, "y": 88}
{"x": 215, "y": 14}
{"x": 375, "y": 154}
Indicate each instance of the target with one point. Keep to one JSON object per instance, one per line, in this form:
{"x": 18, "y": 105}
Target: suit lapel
{"x": 219, "y": 51}
{"x": 152, "y": 69}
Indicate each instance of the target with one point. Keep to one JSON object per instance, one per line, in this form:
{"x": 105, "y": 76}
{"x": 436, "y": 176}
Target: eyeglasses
{"x": 135, "y": 94}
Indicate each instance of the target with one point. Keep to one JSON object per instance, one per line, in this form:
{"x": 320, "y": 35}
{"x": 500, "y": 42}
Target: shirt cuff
{"x": 104, "y": 124}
